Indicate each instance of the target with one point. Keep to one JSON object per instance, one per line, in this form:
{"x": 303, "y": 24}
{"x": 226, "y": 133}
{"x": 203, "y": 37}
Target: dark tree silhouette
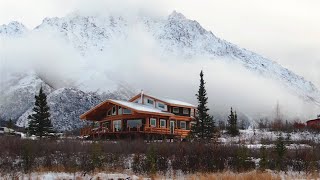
{"x": 40, "y": 123}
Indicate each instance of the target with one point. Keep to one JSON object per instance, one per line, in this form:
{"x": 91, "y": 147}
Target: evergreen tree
{"x": 39, "y": 122}
{"x": 263, "y": 163}
{"x": 280, "y": 150}
{"x": 232, "y": 128}
{"x": 205, "y": 123}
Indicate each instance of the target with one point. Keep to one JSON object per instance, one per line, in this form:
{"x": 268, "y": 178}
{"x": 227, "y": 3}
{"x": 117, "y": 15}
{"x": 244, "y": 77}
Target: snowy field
{"x": 253, "y": 138}
{"x": 268, "y": 174}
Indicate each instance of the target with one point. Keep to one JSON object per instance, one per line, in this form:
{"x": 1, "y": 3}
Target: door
{"x": 172, "y": 127}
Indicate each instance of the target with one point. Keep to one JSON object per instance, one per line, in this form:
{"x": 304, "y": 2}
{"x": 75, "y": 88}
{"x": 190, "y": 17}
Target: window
{"x": 126, "y": 111}
{"x": 136, "y": 123}
{"x": 109, "y": 113}
{"x": 153, "y": 122}
{"x": 185, "y": 111}
{"x": 149, "y": 101}
{"x": 192, "y": 112}
{"x": 114, "y": 112}
{"x": 106, "y": 124}
{"x": 162, "y": 123}
{"x": 183, "y": 125}
{"x": 137, "y": 101}
{"x": 175, "y": 110}
{"x": 119, "y": 110}
{"x": 161, "y": 105}
{"x": 117, "y": 125}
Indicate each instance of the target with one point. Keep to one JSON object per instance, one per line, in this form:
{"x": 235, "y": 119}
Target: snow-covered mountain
{"x": 66, "y": 105}
{"x": 17, "y": 94}
{"x": 14, "y": 28}
{"x": 176, "y": 35}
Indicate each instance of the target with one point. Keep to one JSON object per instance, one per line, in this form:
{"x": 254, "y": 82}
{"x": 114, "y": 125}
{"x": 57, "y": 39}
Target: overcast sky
{"x": 286, "y": 31}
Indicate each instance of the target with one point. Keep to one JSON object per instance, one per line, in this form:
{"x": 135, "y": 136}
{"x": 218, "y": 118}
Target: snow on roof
{"x": 139, "y": 107}
{"x": 172, "y": 101}
{"x": 177, "y": 102}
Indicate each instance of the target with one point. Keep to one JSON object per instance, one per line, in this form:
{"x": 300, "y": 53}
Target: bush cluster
{"x": 27, "y": 156}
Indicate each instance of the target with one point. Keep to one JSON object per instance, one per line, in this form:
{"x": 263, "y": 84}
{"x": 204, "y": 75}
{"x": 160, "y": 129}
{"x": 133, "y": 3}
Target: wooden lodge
{"x": 143, "y": 115}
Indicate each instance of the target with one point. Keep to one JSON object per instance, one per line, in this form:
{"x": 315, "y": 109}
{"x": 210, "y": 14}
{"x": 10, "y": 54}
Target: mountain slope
{"x": 17, "y": 94}
{"x": 14, "y": 28}
{"x": 92, "y": 37}
{"x": 177, "y": 36}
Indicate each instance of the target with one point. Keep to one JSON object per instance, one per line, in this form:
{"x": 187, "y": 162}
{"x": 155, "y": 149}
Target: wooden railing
{"x": 87, "y": 131}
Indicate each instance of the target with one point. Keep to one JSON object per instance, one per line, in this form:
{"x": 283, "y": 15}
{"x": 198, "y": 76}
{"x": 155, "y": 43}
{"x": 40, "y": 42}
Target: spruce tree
{"x": 263, "y": 163}
{"x": 39, "y": 122}
{"x": 205, "y": 123}
{"x": 280, "y": 150}
{"x": 232, "y": 128}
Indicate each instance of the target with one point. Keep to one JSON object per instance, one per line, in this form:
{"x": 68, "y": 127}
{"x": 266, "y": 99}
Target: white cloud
{"x": 261, "y": 27}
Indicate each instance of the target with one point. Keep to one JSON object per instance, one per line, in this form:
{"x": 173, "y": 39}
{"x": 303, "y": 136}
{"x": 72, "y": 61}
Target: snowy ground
{"x": 119, "y": 176}
{"x": 67, "y": 176}
{"x": 253, "y": 138}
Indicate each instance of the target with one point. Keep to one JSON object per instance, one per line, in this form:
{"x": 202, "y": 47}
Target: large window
{"x": 175, "y": 110}
{"x": 185, "y": 111}
{"x": 126, "y": 111}
{"x": 163, "y": 123}
{"x": 183, "y": 125}
{"x": 153, "y": 122}
{"x": 117, "y": 125}
{"x": 135, "y": 123}
{"x": 109, "y": 113}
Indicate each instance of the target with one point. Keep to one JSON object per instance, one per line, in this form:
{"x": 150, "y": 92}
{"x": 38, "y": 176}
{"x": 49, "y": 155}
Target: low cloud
{"x": 139, "y": 61}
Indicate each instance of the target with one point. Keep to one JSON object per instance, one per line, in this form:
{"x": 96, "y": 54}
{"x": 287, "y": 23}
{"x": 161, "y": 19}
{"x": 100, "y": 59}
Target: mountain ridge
{"x": 176, "y": 35}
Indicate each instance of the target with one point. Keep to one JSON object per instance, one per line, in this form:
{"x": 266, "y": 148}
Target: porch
{"x": 103, "y": 131}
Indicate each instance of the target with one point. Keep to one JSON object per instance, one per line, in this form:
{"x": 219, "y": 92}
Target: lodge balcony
{"x": 103, "y": 131}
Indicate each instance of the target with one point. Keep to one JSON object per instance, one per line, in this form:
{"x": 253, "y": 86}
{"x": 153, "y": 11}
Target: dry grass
{"x": 254, "y": 175}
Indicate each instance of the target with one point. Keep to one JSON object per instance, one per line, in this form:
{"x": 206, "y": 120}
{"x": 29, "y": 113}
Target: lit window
{"x": 149, "y": 101}
{"x": 126, "y": 111}
{"x": 162, "y": 123}
{"x": 183, "y": 125}
{"x": 185, "y": 111}
{"x": 153, "y": 122}
{"x": 175, "y": 110}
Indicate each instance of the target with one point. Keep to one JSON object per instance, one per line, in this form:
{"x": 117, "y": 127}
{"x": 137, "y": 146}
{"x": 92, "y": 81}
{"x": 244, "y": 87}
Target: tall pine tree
{"x": 232, "y": 128}
{"x": 39, "y": 122}
{"x": 205, "y": 123}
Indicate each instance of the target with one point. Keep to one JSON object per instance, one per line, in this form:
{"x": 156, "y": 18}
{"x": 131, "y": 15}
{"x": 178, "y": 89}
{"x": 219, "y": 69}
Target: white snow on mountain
{"x": 93, "y": 37}
{"x": 177, "y": 36}
{"x": 14, "y": 28}
{"x": 18, "y": 92}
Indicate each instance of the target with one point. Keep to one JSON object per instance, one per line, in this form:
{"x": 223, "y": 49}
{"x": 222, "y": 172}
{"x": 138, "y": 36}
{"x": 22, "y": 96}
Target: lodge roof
{"x": 139, "y": 107}
{"x": 171, "y": 102}
{"x": 318, "y": 119}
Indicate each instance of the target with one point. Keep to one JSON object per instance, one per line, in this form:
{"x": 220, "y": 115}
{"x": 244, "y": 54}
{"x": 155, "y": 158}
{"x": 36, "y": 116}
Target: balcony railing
{"x": 88, "y": 131}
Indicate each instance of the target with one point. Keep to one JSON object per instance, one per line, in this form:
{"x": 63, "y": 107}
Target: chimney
{"x": 141, "y": 96}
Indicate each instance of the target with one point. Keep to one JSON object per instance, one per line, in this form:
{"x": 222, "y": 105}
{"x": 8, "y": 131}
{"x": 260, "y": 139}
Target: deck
{"x": 97, "y": 132}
